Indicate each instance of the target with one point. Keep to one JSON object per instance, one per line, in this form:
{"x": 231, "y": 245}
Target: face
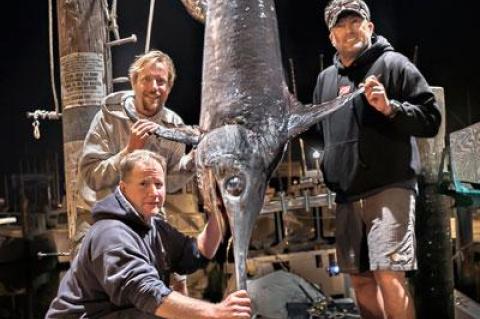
{"x": 145, "y": 188}
{"x": 351, "y": 36}
{"x": 151, "y": 88}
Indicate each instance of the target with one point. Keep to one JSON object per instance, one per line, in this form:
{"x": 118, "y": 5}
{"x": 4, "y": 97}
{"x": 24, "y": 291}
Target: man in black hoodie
{"x": 371, "y": 158}
{"x": 124, "y": 263}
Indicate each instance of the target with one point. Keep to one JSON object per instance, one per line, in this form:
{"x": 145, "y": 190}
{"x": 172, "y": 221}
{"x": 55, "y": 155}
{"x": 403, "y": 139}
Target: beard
{"x": 151, "y": 105}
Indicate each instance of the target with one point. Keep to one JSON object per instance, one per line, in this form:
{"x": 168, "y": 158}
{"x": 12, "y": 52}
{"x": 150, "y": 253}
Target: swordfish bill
{"x": 247, "y": 113}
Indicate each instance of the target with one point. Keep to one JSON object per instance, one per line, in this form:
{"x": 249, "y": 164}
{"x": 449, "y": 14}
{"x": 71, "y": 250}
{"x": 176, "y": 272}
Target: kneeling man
{"x": 123, "y": 266}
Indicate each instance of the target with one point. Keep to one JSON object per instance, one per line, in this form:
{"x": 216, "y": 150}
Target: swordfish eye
{"x": 235, "y": 185}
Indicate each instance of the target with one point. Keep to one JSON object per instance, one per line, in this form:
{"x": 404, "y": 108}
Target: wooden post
{"x": 82, "y": 36}
{"x": 433, "y": 282}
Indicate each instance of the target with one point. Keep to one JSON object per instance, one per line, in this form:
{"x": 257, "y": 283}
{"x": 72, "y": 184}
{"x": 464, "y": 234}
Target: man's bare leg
{"x": 369, "y": 299}
{"x": 398, "y": 302}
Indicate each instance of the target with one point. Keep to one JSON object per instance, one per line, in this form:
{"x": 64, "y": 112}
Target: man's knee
{"x": 363, "y": 281}
{"x": 390, "y": 279}
{"x": 397, "y": 299}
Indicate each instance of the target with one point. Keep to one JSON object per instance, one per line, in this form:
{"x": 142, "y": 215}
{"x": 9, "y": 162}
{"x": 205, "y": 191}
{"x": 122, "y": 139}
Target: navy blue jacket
{"x": 365, "y": 151}
{"x": 123, "y": 263}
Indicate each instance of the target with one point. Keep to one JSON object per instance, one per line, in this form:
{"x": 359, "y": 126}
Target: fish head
{"x": 234, "y": 168}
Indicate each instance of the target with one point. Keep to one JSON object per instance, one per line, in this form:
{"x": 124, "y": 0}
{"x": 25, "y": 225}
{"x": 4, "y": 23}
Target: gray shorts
{"x": 377, "y": 232}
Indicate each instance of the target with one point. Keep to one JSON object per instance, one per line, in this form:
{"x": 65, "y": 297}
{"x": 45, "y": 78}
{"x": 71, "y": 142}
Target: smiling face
{"x": 144, "y": 188}
{"x": 350, "y": 36}
{"x": 151, "y": 86}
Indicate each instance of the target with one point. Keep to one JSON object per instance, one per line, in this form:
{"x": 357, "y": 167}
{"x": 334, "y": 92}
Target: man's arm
{"x": 126, "y": 275}
{"x": 101, "y": 155}
{"x": 175, "y": 305}
{"x": 99, "y": 161}
{"x": 211, "y": 236}
{"x": 416, "y": 113}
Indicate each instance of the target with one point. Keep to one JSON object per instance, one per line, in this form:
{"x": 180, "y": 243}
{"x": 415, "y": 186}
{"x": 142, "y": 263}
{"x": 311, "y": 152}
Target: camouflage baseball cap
{"x": 336, "y": 7}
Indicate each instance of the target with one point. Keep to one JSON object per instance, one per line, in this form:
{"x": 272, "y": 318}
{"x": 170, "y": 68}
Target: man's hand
{"x": 178, "y": 283}
{"x": 188, "y": 161}
{"x": 376, "y": 95}
{"x": 139, "y": 134}
{"x": 236, "y": 305}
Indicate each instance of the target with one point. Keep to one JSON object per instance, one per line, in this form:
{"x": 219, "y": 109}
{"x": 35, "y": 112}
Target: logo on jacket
{"x": 344, "y": 89}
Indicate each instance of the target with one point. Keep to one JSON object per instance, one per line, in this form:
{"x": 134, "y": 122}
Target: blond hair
{"x": 153, "y": 56}
{"x": 139, "y": 157}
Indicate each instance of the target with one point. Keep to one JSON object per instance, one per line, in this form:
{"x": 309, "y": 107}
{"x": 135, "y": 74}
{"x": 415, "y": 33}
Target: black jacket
{"x": 364, "y": 150}
{"x": 123, "y": 265}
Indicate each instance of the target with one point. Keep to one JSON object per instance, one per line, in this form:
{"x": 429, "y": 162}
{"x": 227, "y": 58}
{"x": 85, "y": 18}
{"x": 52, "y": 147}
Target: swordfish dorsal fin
{"x": 186, "y": 134}
{"x": 302, "y": 117}
{"x": 197, "y": 9}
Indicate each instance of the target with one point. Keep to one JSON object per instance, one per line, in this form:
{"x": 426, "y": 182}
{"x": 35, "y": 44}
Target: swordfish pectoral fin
{"x": 185, "y": 134}
{"x": 197, "y": 9}
{"x": 302, "y": 117}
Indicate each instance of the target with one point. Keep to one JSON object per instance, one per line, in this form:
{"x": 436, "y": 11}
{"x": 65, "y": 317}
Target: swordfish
{"x": 247, "y": 113}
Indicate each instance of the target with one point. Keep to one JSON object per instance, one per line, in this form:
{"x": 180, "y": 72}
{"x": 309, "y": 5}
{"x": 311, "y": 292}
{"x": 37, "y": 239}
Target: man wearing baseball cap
{"x": 371, "y": 158}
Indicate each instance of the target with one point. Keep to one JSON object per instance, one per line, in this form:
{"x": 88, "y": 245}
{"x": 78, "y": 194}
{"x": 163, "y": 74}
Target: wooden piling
{"x": 82, "y": 30}
{"x": 433, "y": 281}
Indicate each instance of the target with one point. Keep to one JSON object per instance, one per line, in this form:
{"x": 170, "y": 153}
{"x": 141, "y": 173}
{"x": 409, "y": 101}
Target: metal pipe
{"x": 306, "y": 199}
{"x": 44, "y": 115}
{"x": 302, "y": 153}
{"x": 8, "y": 220}
{"x": 132, "y": 38}
{"x": 41, "y": 255}
{"x": 329, "y": 198}
{"x": 121, "y": 79}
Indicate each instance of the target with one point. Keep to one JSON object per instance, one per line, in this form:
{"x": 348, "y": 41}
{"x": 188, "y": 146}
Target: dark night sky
{"x": 443, "y": 30}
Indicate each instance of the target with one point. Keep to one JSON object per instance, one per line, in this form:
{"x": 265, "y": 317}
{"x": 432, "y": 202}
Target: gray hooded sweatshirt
{"x": 109, "y": 134}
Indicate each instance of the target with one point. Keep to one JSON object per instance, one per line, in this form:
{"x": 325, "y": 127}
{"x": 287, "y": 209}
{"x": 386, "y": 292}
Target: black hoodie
{"x": 123, "y": 264}
{"x": 365, "y": 151}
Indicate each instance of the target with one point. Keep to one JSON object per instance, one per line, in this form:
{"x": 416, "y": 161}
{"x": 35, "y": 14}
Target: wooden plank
{"x": 282, "y": 169}
{"x": 431, "y": 148}
{"x": 465, "y": 307}
{"x": 464, "y": 153}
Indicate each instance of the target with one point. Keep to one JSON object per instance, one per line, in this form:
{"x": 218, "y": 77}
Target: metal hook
{"x": 36, "y": 129}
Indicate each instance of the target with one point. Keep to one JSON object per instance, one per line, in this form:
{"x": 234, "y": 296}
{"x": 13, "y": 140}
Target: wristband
{"x": 395, "y": 108}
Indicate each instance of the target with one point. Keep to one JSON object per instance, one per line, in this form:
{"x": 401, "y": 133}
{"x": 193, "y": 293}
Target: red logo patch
{"x": 344, "y": 89}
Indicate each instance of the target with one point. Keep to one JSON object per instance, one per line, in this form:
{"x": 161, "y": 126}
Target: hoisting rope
{"x": 149, "y": 27}
{"x": 50, "y": 48}
{"x": 42, "y": 114}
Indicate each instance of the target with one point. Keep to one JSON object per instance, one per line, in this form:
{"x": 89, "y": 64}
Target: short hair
{"x": 153, "y": 56}
{"x": 136, "y": 157}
